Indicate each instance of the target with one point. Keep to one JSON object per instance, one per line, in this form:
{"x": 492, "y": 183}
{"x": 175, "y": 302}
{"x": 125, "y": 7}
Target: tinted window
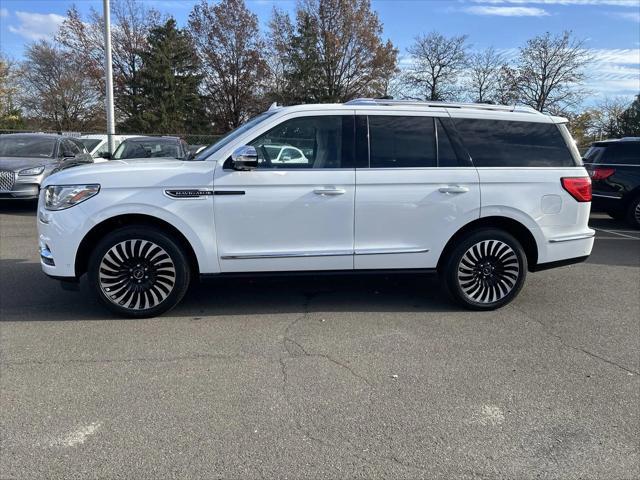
{"x": 90, "y": 143}
{"x": 401, "y": 142}
{"x": 623, "y": 153}
{"x": 594, "y": 154}
{"x": 499, "y": 143}
{"x": 446, "y": 154}
{"x": 307, "y": 142}
{"x": 27, "y": 146}
{"x": 70, "y": 149}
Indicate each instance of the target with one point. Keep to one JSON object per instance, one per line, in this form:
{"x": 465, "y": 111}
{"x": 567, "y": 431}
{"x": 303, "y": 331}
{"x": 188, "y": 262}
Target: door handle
{"x": 453, "y": 189}
{"x": 329, "y": 191}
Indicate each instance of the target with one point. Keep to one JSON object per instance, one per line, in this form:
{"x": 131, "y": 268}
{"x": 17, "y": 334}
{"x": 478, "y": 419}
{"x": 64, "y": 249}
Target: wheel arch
{"x": 113, "y": 223}
{"x": 509, "y": 225}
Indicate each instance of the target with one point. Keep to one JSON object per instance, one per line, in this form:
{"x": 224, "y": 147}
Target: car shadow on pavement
{"x": 28, "y": 295}
{"x": 18, "y": 207}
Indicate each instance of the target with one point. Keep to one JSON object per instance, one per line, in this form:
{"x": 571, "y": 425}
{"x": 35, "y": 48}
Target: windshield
{"x": 90, "y": 143}
{"x": 148, "y": 148}
{"x": 232, "y": 135}
{"x": 23, "y": 146}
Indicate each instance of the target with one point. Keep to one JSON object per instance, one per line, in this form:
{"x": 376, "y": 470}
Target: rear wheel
{"x": 633, "y": 212}
{"x": 486, "y": 270}
{"x": 139, "y": 272}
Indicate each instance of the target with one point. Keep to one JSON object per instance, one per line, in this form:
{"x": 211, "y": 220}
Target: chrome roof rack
{"x": 418, "y": 103}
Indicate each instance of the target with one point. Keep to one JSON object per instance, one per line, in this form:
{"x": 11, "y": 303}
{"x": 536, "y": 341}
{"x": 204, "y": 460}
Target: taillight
{"x": 578, "y": 187}
{"x": 601, "y": 173}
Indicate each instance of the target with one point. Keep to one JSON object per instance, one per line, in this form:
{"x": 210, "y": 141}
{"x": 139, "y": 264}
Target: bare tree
{"x": 437, "y": 64}
{"x": 56, "y": 90}
{"x": 485, "y": 69}
{"x": 278, "y": 60}
{"x": 607, "y": 120}
{"x": 84, "y": 39}
{"x": 229, "y": 44}
{"x": 335, "y": 51}
{"x": 8, "y": 87}
{"x": 549, "y": 71}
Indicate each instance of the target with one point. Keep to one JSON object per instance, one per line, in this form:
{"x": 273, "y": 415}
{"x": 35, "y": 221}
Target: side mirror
{"x": 244, "y": 158}
{"x": 105, "y": 155}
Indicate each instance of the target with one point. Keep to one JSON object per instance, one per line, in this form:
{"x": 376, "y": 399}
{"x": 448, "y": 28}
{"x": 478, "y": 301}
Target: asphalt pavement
{"x": 328, "y": 377}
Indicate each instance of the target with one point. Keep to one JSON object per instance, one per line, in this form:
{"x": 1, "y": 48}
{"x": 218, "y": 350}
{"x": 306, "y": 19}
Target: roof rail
{"x": 419, "y": 103}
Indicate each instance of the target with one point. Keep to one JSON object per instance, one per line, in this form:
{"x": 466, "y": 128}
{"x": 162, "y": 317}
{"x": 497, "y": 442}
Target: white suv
{"x": 479, "y": 193}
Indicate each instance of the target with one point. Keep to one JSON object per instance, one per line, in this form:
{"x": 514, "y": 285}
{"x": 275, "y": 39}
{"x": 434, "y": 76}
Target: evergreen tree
{"x": 630, "y": 120}
{"x": 169, "y": 84}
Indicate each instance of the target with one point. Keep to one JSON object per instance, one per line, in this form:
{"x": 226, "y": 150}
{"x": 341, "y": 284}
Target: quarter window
{"x": 500, "y": 143}
{"x": 623, "y": 153}
{"x": 307, "y": 142}
{"x": 401, "y": 142}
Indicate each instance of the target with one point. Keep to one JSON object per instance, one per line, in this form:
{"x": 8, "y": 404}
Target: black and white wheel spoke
{"x": 488, "y": 271}
{"x": 636, "y": 213}
{"x": 137, "y": 274}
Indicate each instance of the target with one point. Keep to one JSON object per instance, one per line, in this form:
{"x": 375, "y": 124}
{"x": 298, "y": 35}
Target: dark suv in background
{"x": 614, "y": 167}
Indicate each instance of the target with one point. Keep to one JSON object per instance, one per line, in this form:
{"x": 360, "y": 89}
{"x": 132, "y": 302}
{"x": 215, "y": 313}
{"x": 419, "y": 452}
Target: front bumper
{"x": 21, "y": 191}
{"x": 57, "y": 237}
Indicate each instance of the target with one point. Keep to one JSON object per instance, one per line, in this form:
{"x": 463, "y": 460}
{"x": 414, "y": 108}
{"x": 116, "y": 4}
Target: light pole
{"x": 108, "y": 71}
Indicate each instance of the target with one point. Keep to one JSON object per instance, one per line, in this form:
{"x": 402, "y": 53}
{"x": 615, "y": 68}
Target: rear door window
{"x": 401, "y": 142}
{"x": 501, "y": 143}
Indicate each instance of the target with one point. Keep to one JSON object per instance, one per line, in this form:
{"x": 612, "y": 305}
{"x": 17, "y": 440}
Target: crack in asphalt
{"x": 546, "y": 329}
{"x": 300, "y": 351}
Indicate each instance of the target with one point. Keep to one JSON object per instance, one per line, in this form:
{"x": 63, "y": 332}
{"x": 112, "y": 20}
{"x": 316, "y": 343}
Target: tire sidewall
{"x": 631, "y": 210}
{"x": 176, "y": 253}
{"x": 451, "y": 269}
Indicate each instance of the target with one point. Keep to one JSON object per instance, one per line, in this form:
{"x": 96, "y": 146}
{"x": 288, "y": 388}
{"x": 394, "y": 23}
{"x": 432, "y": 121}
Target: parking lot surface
{"x": 328, "y": 377}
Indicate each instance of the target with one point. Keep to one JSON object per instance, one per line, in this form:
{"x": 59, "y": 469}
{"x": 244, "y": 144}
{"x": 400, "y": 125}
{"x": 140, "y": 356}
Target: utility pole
{"x": 108, "y": 72}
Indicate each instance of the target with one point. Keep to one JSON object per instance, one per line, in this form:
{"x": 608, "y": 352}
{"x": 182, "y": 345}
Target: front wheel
{"x": 485, "y": 270}
{"x": 139, "y": 271}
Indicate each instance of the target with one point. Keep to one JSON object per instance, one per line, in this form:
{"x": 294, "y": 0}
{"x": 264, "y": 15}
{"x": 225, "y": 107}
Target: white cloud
{"x": 37, "y": 26}
{"x": 507, "y": 11}
{"x": 615, "y": 3}
{"x": 632, "y": 16}
{"x": 4, "y": 12}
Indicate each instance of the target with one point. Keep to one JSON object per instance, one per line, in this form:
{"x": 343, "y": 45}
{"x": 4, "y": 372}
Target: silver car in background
{"x": 26, "y": 159}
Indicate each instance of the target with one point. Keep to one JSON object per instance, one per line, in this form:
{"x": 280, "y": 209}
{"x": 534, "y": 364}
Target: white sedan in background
{"x": 97, "y": 144}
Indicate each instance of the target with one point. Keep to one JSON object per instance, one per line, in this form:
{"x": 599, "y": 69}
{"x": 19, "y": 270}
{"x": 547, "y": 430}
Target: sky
{"x": 610, "y": 28}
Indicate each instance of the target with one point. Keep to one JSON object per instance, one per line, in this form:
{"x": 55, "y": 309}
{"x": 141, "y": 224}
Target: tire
{"x": 149, "y": 269}
{"x": 485, "y": 270}
{"x": 633, "y": 213}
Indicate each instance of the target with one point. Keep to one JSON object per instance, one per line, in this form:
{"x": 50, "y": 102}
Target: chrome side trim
{"x": 389, "y": 251}
{"x": 253, "y": 256}
{"x": 606, "y": 196}
{"x": 573, "y": 237}
{"x": 332, "y": 253}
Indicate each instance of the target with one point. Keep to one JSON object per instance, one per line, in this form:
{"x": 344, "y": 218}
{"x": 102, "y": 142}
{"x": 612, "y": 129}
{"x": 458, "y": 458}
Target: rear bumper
{"x": 606, "y": 203}
{"x": 565, "y": 250}
{"x": 558, "y": 263}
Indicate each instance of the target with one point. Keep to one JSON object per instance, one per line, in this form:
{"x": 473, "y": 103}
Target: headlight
{"x": 32, "y": 171}
{"x": 59, "y": 197}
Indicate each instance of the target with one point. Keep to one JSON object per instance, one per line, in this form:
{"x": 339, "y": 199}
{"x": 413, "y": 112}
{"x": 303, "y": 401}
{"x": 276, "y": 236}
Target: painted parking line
{"x": 619, "y": 233}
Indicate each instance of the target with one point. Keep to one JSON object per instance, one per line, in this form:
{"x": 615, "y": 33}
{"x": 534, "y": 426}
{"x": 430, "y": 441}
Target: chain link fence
{"x": 191, "y": 139}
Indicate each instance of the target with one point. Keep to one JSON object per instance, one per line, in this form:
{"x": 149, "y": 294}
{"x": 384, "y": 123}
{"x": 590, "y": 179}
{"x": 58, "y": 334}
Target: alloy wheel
{"x": 488, "y": 271}
{"x": 137, "y": 274}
